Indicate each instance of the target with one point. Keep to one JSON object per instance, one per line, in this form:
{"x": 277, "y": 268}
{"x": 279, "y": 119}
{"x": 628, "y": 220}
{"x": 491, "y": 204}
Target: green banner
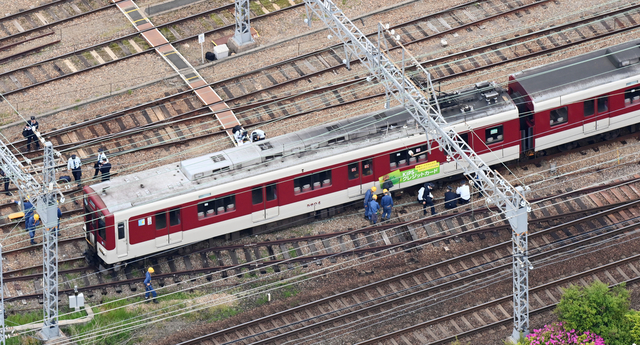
{"x": 419, "y": 171}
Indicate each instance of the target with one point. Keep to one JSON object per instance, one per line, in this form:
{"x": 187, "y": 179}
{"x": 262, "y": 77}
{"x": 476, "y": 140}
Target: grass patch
{"x": 141, "y": 42}
{"x": 213, "y": 258}
{"x": 110, "y": 317}
{"x": 282, "y": 3}
{"x": 206, "y": 25}
{"x": 256, "y": 8}
{"x": 268, "y": 5}
{"x": 5, "y": 118}
{"x": 90, "y": 58}
{"x": 115, "y": 48}
{"x": 293, "y": 253}
{"x": 216, "y": 19}
{"x": 168, "y": 34}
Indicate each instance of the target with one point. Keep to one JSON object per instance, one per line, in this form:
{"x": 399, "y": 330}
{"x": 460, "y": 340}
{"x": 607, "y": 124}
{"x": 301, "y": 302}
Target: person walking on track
{"x": 148, "y": 288}
{"x": 367, "y": 199}
{"x": 387, "y": 204}
{"x": 75, "y": 166}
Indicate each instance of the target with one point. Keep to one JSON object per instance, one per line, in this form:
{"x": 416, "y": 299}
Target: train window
{"x": 120, "y": 231}
{"x": 102, "y": 229}
{"x": 352, "y": 170}
{"x": 367, "y": 167}
{"x": 174, "y": 217}
{"x": 494, "y": 134}
{"x": 603, "y": 104}
{"x": 312, "y": 182}
{"x": 632, "y": 96}
{"x": 408, "y": 157}
{"x": 256, "y": 195}
{"x": 271, "y": 192}
{"x": 216, "y": 206}
{"x": 558, "y": 116}
{"x": 589, "y": 107}
{"x": 161, "y": 220}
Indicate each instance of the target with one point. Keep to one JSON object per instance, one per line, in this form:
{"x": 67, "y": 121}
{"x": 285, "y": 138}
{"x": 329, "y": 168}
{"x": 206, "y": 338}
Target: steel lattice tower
{"x": 47, "y": 202}
{"x": 426, "y": 111}
{"x": 243, "y": 26}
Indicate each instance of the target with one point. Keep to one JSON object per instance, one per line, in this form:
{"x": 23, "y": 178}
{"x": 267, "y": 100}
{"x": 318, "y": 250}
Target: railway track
{"x": 36, "y": 19}
{"x": 116, "y": 50}
{"x": 419, "y": 288}
{"x": 135, "y": 127}
{"x": 203, "y": 260}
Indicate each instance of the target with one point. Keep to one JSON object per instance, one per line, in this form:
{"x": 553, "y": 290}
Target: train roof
{"x": 476, "y": 106}
{"x": 546, "y": 84}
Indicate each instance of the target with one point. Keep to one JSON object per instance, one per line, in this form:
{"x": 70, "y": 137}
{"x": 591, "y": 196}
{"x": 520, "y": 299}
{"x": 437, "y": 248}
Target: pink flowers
{"x": 555, "y": 334}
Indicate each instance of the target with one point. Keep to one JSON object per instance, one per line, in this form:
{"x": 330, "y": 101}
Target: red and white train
{"x": 253, "y": 185}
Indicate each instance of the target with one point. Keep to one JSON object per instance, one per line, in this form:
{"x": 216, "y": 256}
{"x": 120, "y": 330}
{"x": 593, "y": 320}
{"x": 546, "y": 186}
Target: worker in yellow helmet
{"x": 387, "y": 204}
{"x": 148, "y": 288}
{"x": 31, "y": 222}
{"x": 367, "y": 200}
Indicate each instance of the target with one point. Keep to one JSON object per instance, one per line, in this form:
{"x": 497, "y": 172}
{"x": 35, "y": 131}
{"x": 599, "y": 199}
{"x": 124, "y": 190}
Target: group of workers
{"x": 241, "y": 136}
{"x": 372, "y": 208}
{"x": 102, "y": 166}
{"x": 462, "y": 196}
{"x": 451, "y": 199}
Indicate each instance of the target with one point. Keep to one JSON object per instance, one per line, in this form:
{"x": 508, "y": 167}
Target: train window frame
{"x": 161, "y": 220}
{"x": 558, "y": 116}
{"x": 591, "y": 108}
{"x": 632, "y": 96}
{"x": 496, "y": 134}
{"x": 321, "y": 176}
{"x": 367, "y": 167}
{"x": 121, "y": 234}
{"x": 213, "y": 204}
{"x": 256, "y": 196}
{"x": 603, "y": 104}
{"x": 102, "y": 228}
{"x": 401, "y": 155}
{"x": 172, "y": 213}
{"x": 353, "y": 171}
{"x": 271, "y": 190}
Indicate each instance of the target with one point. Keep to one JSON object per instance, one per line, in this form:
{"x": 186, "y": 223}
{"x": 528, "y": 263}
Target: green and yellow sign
{"x": 419, "y": 171}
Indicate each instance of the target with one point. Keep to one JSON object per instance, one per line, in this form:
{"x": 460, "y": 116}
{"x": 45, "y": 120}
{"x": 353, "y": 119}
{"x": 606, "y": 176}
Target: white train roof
{"x": 477, "y": 106}
{"x": 582, "y": 77}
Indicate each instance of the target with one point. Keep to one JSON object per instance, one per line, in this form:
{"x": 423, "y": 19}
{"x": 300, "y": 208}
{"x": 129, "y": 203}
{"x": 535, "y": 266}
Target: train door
{"x": 122, "y": 244}
{"x": 362, "y": 173}
{"x": 175, "y": 226}
{"x": 264, "y": 200}
{"x": 602, "y": 119}
{"x": 162, "y": 232}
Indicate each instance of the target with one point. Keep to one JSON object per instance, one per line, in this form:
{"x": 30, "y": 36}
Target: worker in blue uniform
{"x": 57, "y": 229}
{"x": 32, "y": 222}
{"x": 450, "y": 199}
{"x": 27, "y": 207}
{"x": 367, "y": 199}
{"x": 148, "y": 288}
{"x": 387, "y": 204}
{"x": 374, "y": 207}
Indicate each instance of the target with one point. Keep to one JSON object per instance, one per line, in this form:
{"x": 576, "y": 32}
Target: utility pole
{"x": 2, "y": 332}
{"x": 242, "y": 39}
{"x": 46, "y": 206}
{"x": 426, "y": 111}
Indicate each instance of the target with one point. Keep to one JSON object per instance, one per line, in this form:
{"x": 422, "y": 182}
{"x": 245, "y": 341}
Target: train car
{"x": 567, "y": 102}
{"x": 253, "y": 185}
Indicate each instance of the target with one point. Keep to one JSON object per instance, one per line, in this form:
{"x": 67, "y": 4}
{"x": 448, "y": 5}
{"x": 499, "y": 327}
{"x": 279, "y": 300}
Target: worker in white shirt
{"x": 102, "y": 157}
{"x": 463, "y": 193}
{"x": 75, "y": 165}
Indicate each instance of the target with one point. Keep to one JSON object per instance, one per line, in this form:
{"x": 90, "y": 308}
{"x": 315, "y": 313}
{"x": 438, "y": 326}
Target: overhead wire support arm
{"x": 425, "y": 109}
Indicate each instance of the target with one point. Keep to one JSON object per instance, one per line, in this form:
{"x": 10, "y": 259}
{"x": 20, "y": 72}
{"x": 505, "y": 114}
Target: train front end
{"x": 98, "y": 228}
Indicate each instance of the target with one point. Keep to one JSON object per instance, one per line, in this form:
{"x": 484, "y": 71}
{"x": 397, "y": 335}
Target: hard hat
{"x": 36, "y": 216}
{"x": 385, "y": 191}
{"x": 150, "y": 270}
{"x": 375, "y": 197}
{"x": 374, "y": 188}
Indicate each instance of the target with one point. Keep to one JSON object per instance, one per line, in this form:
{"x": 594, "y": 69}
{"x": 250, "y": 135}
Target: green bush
{"x": 598, "y": 309}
